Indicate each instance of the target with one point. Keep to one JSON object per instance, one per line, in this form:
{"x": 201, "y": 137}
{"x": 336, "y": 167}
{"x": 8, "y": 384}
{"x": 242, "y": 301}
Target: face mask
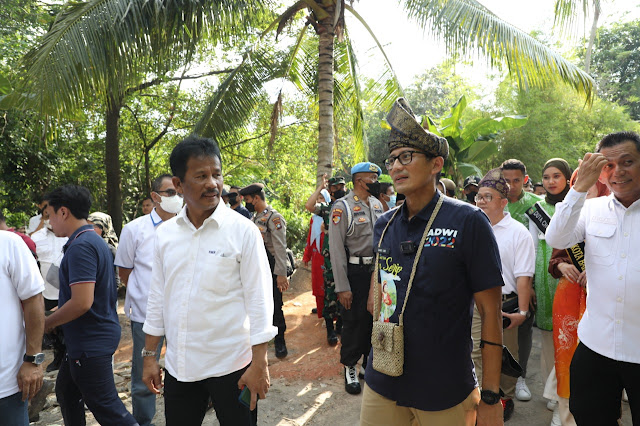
{"x": 392, "y": 201}
{"x": 228, "y": 205}
{"x": 339, "y": 194}
{"x": 373, "y": 188}
{"x": 171, "y": 204}
{"x": 471, "y": 197}
{"x": 250, "y": 207}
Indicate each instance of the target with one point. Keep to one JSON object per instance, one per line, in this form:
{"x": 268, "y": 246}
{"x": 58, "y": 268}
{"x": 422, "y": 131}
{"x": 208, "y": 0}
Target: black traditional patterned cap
{"x": 406, "y": 131}
{"x": 471, "y": 180}
{"x": 336, "y": 180}
{"x": 254, "y": 188}
{"x": 495, "y": 180}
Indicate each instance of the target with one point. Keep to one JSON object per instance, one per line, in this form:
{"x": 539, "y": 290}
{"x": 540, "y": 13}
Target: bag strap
{"x": 376, "y": 300}
{"x": 347, "y": 209}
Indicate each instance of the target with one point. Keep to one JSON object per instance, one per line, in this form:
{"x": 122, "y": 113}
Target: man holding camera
{"x": 517, "y": 255}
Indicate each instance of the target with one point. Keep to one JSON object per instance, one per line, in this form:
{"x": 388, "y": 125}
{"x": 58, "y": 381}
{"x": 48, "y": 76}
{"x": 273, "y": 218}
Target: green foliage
{"x": 615, "y": 65}
{"x": 471, "y": 143}
{"x": 559, "y": 125}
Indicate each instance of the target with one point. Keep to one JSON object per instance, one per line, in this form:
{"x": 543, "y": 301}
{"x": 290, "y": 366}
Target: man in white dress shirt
{"x": 134, "y": 260}
{"x": 211, "y": 296}
{"x": 608, "y": 356}
{"x": 517, "y": 257}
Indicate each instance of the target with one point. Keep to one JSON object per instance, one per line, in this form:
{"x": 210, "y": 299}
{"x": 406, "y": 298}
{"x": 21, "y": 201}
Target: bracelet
{"x": 483, "y": 342}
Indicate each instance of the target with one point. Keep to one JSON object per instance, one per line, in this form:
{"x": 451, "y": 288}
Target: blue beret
{"x": 366, "y": 168}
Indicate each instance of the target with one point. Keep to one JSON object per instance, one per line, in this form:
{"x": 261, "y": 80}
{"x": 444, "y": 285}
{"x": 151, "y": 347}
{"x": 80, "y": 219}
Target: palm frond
{"x": 566, "y": 13}
{"x": 100, "y": 47}
{"x": 466, "y": 27}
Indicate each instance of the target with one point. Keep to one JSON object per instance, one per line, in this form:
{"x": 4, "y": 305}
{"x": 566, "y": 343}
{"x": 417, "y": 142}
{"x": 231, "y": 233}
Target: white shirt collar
{"x": 218, "y": 215}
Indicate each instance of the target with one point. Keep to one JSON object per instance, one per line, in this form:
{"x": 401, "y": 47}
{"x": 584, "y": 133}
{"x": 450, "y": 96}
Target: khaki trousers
{"x": 509, "y": 339}
{"x": 378, "y": 410}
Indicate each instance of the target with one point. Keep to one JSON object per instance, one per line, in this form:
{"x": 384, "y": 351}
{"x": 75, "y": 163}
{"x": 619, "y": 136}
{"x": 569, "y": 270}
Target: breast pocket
{"x": 601, "y": 242}
{"x": 219, "y": 274}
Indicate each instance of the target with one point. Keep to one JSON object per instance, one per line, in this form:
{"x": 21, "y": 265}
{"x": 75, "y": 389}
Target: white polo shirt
{"x": 517, "y": 252}
{"x": 49, "y": 250}
{"x": 610, "y": 324}
{"x": 135, "y": 251}
{"x": 211, "y": 294}
{"x": 19, "y": 280}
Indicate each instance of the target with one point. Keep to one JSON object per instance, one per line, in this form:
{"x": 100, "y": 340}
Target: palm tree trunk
{"x": 112, "y": 163}
{"x": 325, "y": 97}
{"x": 592, "y": 38}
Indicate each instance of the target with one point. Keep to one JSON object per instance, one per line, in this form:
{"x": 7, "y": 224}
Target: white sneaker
{"x": 351, "y": 383}
{"x": 552, "y": 405}
{"x": 522, "y": 391}
{"x": 555, "y": 420}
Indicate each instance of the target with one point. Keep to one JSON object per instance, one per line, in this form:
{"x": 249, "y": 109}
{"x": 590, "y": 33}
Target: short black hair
{"x": 617, "y": 138}
{"x": 157, "y": 182}
{"x": 74, "y": 197}
{"x": 192, "y": 146}
{"x": 235, "y": 187}
{"x": 259, "y": 194}
{"x": 147, "y": 198}
{"x": 384, "y": 187}
{"x": 537, "y": 184}
{"x": 513, "y": 164}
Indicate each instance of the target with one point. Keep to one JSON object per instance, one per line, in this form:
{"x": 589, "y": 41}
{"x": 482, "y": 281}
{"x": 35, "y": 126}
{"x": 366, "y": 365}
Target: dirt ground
{"x": 307, "y": 387}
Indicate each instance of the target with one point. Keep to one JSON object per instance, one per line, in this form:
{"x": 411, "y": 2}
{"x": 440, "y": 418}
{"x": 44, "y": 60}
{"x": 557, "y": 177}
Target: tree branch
{"x": 159, "y": 80}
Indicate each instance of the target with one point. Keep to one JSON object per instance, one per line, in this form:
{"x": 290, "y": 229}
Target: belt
{"x": 511, "y": 295}
{"x": 355, "y": 260}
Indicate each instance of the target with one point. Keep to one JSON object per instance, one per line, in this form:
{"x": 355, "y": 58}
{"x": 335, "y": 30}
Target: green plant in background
{"x": 472, "y": 142}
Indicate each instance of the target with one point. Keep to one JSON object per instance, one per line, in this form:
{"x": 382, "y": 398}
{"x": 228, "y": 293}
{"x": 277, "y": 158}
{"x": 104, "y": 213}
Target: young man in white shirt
{"x": 22, "y": 319}
{"x": 607, "y": 359}
{"x": 211, "y": 296}
{"x": 517, "y": 256}
{"x": 134, "y": 260}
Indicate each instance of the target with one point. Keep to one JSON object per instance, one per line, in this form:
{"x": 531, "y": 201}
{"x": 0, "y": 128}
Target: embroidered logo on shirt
{"x": 357, "y": 208}
{"x": 441, "y": 237}
{"x": 362, "y": 219}
{"x": 608, "y": 220}
{"x": 336, "y": 216}
{"x": 277, "y": 223}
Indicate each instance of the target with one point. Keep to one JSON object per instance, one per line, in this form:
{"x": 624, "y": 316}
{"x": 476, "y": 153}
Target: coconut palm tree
{"x": 566, "y": 14}
{"x": 99, "y": 48}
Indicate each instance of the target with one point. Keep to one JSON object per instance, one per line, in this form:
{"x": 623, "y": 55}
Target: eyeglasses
{"x": 486, "y": 198}
{"x": 170, "y": 192}
{"x": 404, "y": 158}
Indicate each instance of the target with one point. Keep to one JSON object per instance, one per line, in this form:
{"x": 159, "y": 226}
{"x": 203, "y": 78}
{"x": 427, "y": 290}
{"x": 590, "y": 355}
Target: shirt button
{"x": 620, "y": 277}
{"x": 626, "y": 234}
{"x": 617, "y": 321}
{"x": 619, "y": 299}
{"x": 623, "y": 255}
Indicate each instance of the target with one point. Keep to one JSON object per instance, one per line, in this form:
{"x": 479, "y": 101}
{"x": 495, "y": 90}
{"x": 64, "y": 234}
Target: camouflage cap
{"x": 406, "y": 131}
{"x": 494, "y": 179}
{"x": 336, "y": 180}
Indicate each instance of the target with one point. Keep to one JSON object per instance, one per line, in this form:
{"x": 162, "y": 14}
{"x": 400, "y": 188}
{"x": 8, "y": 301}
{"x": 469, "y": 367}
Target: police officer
{"x": 351, "y": 237}
{"x": 274, "y": 232}
{"x": 330, "y": 312}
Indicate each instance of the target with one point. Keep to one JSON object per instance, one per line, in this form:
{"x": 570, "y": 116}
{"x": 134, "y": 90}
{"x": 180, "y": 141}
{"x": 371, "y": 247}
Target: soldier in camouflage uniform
{"x": 331, "y": 311}
{"x": 273, "y": 228}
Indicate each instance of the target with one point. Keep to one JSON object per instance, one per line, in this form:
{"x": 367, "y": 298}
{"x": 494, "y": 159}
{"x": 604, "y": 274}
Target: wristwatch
{"x": 36, "y": 359}
{"x": 526, "y": 314}
{"x": 148, "y": 353}
{"x": 489, "y": 397}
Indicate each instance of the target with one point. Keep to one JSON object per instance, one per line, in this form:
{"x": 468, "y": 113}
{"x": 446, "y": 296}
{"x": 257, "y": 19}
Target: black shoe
{"x": 57, "y": 361}
{"x": 339, "y": 326}
{"x": 332, "y": 337}
{"x": 281, "y": 348}
{"x": 508, "y": 407}
{"x": 351, "y": 383}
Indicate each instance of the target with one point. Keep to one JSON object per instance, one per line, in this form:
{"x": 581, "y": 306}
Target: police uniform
{"x": 273, "y": 228}
{"x": 351, "y": 249}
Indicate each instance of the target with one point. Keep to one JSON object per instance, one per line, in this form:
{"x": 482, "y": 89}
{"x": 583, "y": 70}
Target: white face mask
{"x": 171, "y": 204}
{"x": 228, "y": 205}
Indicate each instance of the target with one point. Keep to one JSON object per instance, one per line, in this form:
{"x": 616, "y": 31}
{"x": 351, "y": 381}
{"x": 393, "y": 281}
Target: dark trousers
{"x": 357, "y": 321}
{"x": 596, "y": 388}
{"x": 90, "y": 381}
{"x": 278, "y": 315}
{"x": 525, "y": 340}
{"x": 185, "y": 403}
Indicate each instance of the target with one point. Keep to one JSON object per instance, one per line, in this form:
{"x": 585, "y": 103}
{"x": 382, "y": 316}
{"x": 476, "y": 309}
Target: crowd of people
{"x": 432, "y": 298}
